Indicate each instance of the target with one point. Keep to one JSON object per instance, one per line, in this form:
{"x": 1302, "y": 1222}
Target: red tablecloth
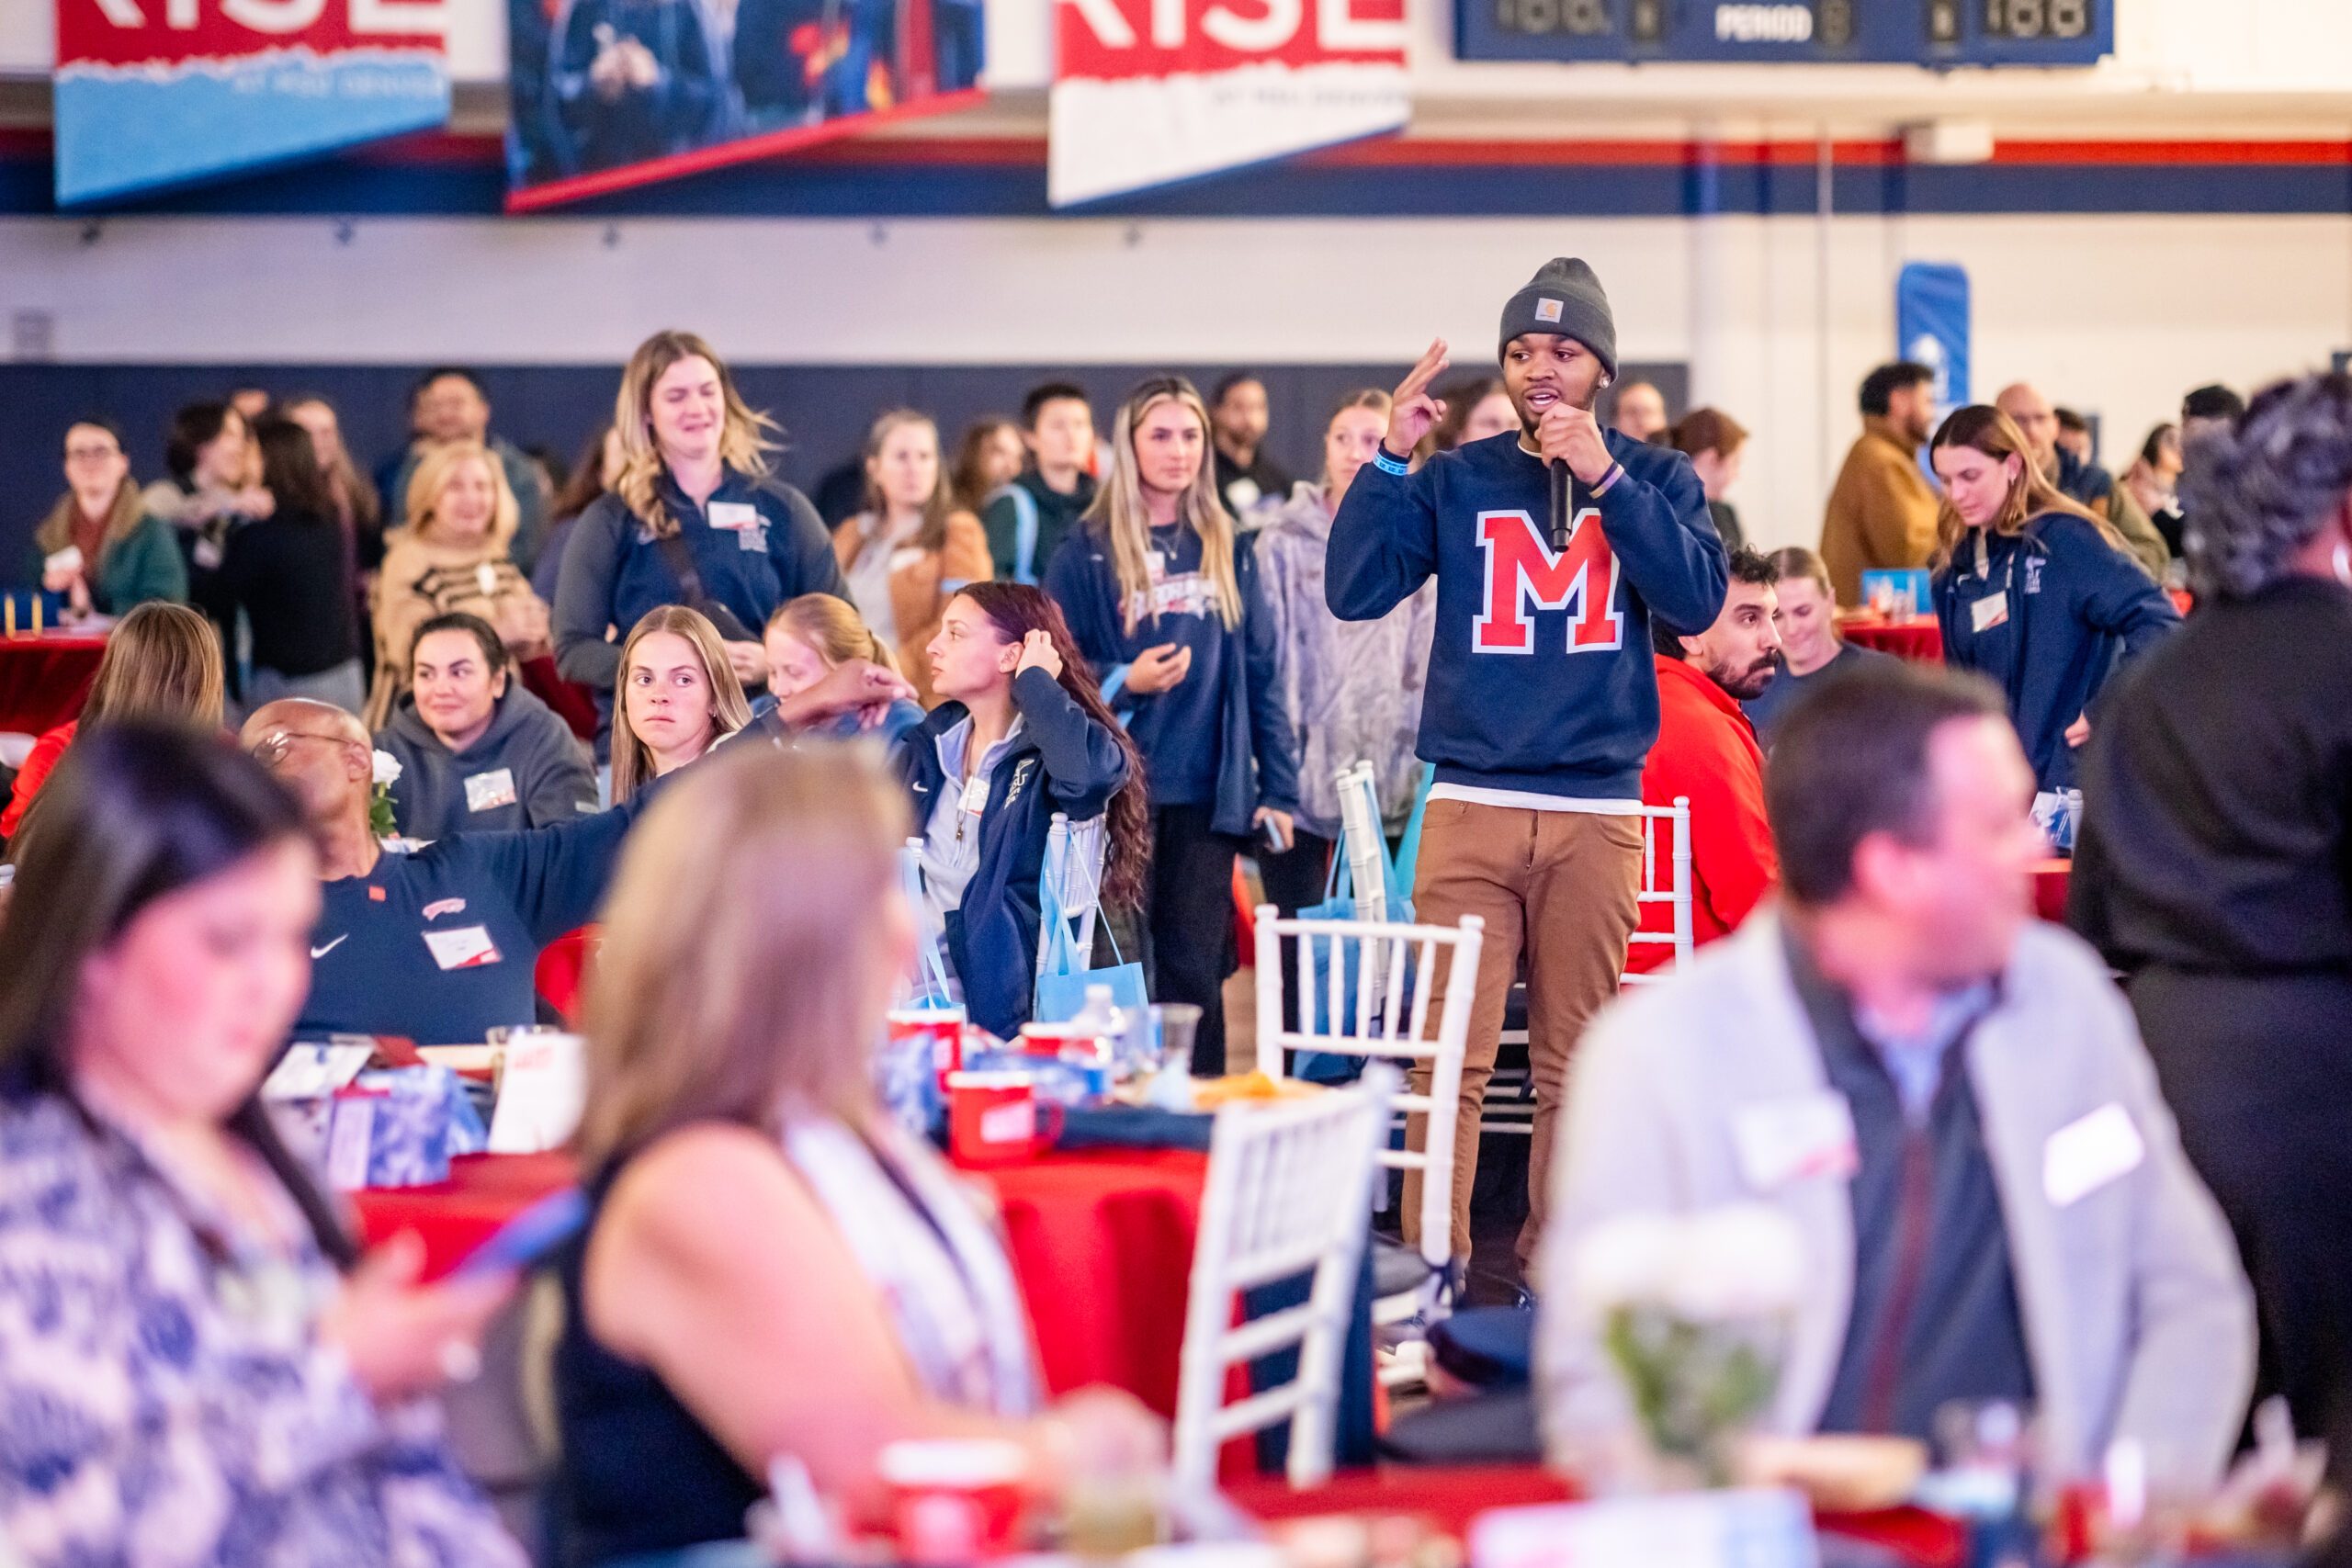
{"x": 1451, "y": 1498}
{"x": 1101, "y": 1241}
{"x": 454, "y": 1217}
{"x": 2050, "y": 881}
{"x": 1919, "y": 640}
{"x": 43, "y": 679}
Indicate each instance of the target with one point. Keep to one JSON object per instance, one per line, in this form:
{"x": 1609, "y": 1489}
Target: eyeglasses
{"x": 272, "y": 749}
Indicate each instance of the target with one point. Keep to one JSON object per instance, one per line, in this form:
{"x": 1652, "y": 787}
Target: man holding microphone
{"x": 1553, "y": 546}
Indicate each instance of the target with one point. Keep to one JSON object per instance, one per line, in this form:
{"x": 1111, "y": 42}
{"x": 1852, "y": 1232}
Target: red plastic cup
{"x": 954, "y": 1500}
{"x": 995, "y": 1119}
{"x": 945, "y": 1028}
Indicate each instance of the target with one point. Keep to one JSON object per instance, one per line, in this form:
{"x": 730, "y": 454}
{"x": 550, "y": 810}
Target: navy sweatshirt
{"x": 1541, "y": 675}
{"x": 439, "y": 945}
{"x": 1220, "y": 737}
{"x": 1061, "y": 761}
{"x": 614, "y": 571}
{"x": 2076, "y": 607}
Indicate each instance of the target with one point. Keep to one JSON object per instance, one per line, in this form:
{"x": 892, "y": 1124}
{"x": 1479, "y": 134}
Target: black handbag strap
{"x": 680, "y": 556}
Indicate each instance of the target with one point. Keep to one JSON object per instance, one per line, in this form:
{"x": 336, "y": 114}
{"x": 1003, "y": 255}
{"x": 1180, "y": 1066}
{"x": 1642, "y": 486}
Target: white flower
{"x": 1743, "y": 1260}
{"x": 387, "y": 769}
{"x": 1624, "y": 1261}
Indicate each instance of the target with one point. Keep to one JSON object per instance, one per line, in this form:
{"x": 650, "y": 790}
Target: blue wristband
{"x": 1389, "y": 465}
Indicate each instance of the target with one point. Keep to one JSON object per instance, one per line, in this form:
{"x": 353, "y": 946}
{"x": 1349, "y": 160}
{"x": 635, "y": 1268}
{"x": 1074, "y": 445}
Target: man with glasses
{"x": 436, "y": 945}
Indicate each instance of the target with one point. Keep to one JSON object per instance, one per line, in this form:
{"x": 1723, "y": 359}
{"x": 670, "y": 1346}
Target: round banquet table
{"x": 43, "y": 679}
{"x": 2050, "y": 878}
{"x": 1100, "y": 1242}
{"x": 1919, "y": 640}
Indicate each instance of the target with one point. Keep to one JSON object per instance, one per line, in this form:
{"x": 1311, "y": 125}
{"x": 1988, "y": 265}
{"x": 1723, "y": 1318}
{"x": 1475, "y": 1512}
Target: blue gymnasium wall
{"x": 825, "y": 409}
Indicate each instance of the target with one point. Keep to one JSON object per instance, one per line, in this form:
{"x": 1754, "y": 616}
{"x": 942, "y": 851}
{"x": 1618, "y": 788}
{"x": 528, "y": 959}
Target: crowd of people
{"x": 2013, "y": 1180}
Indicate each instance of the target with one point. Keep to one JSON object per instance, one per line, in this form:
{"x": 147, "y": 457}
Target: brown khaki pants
{"x": 1564, "y": 887}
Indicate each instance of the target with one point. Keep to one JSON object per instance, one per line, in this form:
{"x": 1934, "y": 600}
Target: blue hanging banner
{"x": 1931, "y": 325}
{"x": 153, "y": 94}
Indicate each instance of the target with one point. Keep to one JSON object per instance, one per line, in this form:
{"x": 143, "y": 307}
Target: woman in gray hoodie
{"x": 1352, "y": 688}
{"x": 478, "y": 752}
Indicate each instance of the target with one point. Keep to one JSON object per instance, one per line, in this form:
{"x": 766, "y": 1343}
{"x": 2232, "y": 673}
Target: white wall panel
{"x": 2117, "y": 315}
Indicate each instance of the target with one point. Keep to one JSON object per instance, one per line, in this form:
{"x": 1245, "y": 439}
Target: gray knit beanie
{"x": 1565, "y": 299}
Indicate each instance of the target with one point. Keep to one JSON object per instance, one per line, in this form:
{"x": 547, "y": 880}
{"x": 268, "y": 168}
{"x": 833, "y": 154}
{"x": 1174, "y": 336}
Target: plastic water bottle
{"x": 1098, "y": 1019}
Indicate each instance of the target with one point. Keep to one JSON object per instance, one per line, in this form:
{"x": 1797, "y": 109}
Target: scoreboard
{"x": 1905, "y": 32}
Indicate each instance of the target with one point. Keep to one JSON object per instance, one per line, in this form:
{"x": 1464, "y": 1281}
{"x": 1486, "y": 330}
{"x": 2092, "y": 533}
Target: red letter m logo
{"x": 1524, "y": 576}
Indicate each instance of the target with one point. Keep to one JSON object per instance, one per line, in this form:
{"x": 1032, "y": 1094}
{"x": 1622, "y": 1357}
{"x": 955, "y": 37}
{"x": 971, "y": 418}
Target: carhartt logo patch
{"x": 1548, "y": 309}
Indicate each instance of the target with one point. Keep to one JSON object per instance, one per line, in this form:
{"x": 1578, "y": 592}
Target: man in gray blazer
{"x": 1947, "y": 1098}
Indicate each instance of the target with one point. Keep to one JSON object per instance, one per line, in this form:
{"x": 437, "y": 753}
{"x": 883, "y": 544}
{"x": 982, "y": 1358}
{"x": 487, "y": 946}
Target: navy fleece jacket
{"x": 2074, "y": 608}
{"x": 1220, "y": 737}
{"x": 1540, "y": 673}
{"x": 1061, "y": 761}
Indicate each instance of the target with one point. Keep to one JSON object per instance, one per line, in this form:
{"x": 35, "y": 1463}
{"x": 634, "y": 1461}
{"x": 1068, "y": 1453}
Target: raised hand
{"x": 1414, "y": 413}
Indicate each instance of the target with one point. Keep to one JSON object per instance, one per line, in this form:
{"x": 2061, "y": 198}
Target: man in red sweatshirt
{"x": 1706, "y": 752}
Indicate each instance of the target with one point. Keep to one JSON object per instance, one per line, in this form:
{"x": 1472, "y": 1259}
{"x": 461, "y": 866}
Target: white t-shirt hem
{"x": 1529, "y": 800}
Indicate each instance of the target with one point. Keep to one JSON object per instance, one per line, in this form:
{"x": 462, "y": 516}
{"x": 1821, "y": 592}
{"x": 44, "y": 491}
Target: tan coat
{"x": 920, "y": 587}
{"x": 1881, "y": 512}
{"x": 422, "y": 579}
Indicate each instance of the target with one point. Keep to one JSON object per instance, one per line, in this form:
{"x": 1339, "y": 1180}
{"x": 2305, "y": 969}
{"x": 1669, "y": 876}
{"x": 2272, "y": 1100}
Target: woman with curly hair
{"x": 2214, "y": 867}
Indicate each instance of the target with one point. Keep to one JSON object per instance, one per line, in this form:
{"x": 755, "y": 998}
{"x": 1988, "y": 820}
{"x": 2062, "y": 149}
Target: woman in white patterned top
{"x": 194, "y": 1368}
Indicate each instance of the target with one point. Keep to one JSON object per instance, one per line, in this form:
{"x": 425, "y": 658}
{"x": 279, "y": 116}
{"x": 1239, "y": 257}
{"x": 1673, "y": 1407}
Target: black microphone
{"x": 1559, "y": 503}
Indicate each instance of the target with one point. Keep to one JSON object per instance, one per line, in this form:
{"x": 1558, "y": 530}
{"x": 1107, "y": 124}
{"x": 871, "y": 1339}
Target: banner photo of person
{"x": 607, "y": 94}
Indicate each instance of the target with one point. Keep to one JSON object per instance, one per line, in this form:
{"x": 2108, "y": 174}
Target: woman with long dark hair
{"x": 200, "y": 1368}
{"x": 2033, "y": 590}
{"x": 1164, "y": 597}
{"x": 290, "y": 573}
{"x": 1021, "y": 734}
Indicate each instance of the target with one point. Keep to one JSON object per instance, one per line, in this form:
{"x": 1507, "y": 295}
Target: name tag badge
{"x": 486, "y": 578}
{"x": 2085, "y": 1155}
{"x": 466, "y": 947}
{"x": 975, "y": 794}
{"x": 1242, "y": 494}
{"x": 1794, "y": 1139}
{"x": 1991, "y": 610}
{"x": 67, "y": 560}
{"x": 488, "y": 792}
{"x": 753, "y": 539}
{"x": 734, "y": 514}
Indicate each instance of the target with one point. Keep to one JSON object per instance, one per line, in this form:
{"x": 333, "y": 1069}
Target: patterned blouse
{"x": 163, "y": 1398}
